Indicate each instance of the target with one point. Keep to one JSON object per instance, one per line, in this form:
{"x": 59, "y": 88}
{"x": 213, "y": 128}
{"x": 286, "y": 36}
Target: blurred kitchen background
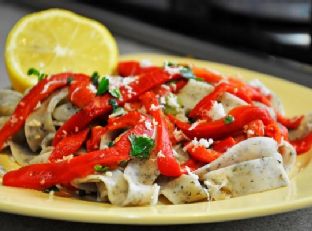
{"x": 271, "y": 36}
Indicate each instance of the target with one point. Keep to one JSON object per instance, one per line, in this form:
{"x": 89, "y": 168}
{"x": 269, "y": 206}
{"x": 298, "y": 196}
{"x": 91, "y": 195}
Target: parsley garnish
{"x": 115, "y": 92}
{"x": 95, "y": 78}
{"x": 100, "y": 168}
{"x": 229, "y": 119}
{"x": 102, "y": 86}
{"x": 141, "y": 146}
{"x": 33, "y": 71}
{"x": 113, "y": 103}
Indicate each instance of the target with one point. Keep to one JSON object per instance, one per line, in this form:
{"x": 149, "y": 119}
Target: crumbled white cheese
{"x": 92, "y": 88}
{"x": 128, "y": 80}
{"x": 34, "y": 123}
{"x": 217, "y": 111}
{"x": 201, "y": 142}
{"x": 155, "y": 108}
{"x": 162, "y": 100}
{"x": 178, "y": 135}
{"x": 161, "y": 154}
{"x": 250, "y": 132}
{"x": 164, "y": 86}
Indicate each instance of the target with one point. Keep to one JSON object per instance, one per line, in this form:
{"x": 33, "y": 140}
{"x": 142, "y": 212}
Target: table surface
{"x": 297, "y": 220}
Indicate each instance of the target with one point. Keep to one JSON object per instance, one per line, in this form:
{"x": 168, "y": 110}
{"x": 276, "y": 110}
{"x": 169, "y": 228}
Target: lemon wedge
{"x": 55, "y": 41}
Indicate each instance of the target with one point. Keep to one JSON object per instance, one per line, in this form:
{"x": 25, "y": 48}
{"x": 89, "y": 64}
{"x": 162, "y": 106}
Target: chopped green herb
{"x": 100, "y": 168}
{"x": 141, "y": 146}
{"x": 95, "y": 78}
{"x": 102, "y": 86}
{"x": 115, "y": 92}
{"x": 69, "y": 80}
{"x": 110, "y": 143}
{"x": 229, "y": 119}
{"x": 33, "y": 71}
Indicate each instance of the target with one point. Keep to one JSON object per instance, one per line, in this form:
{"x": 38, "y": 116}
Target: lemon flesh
{"x": 55, "y": 41}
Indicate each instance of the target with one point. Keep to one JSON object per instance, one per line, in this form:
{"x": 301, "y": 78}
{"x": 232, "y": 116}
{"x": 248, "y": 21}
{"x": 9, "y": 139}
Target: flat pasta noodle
{"x": 246, "y": 177}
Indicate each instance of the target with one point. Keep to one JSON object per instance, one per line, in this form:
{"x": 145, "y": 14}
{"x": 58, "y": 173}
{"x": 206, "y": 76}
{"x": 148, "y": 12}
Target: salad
{"x": 178, "y": 132}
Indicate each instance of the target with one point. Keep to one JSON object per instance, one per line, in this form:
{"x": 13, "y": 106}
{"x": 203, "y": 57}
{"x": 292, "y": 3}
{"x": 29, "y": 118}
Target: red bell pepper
{"x": 190, "y": 165}
{"x": 208, "y": 76}
{"x": 251, "y": 92}
{"x": 80, "y": 93}
{"x": 254, "y": 128}
{"x": 100, "y": 105}
{"x": 205, "y": 104}
{"x": 219, "y": 129}
{"x": 167, "y": 164}
{"x": 128, "y": 120}
{"x": 132, "y": 68}
{"x": 273, "y": 130}
{"x": 69, "y": 145}
{"x": 202, "y": 154}
{"x": 291, "y": 123}
{"x": 96, "y": 133}
{"x": 178, "y": 85}
{"x": 42, "y": 176}
{"x": 303, "y": 145}
{"x": 38, "y": 93}
{"x": 223, "y": 145}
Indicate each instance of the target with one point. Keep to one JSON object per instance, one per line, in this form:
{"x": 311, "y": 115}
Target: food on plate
{"x": 57, "y": 40}
{"x": 177, "y": 131}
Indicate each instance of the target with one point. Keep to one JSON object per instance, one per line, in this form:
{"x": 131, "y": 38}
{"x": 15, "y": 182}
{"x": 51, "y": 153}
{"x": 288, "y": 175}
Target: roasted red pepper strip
{"x": 251, "y": 92}
{"x": 202, "y": 154}
{"x": 80, "y": 93}
{"x": 132, "y": 68}
{"x": 178, "y": 85}
{"x": 223, "y": 145}
{"x": 128, "y": 120}
{"x": 205, "y": 104}
{"x": 291, "y": 123}
{"x": 190, "y": 165}
{"x": 42, "y": 176}
{"x": 68, "y": 145}
{"x": 96, "y": 133}
{"x": 219, "y": 129}
{"x": 303, "y": 145}
{"x": 208, "y": 76}
{"x": 100, "y": 105}
{"x": 273, "y": 130}
{"x": 38, "y": 93}
{"x": 167, "y": 164}
{"x": 254, "y": 128}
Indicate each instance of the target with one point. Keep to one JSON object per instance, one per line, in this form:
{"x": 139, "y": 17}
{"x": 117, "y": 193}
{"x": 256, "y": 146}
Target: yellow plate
{"x": 297, "y": 100}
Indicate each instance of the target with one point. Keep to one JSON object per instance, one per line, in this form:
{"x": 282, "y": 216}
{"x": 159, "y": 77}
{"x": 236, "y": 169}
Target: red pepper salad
{"x": 178, "y": 131}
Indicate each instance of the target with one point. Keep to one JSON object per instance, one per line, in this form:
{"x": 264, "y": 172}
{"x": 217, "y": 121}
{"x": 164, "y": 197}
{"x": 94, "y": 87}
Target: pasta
{"x": 179, "y": 131}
